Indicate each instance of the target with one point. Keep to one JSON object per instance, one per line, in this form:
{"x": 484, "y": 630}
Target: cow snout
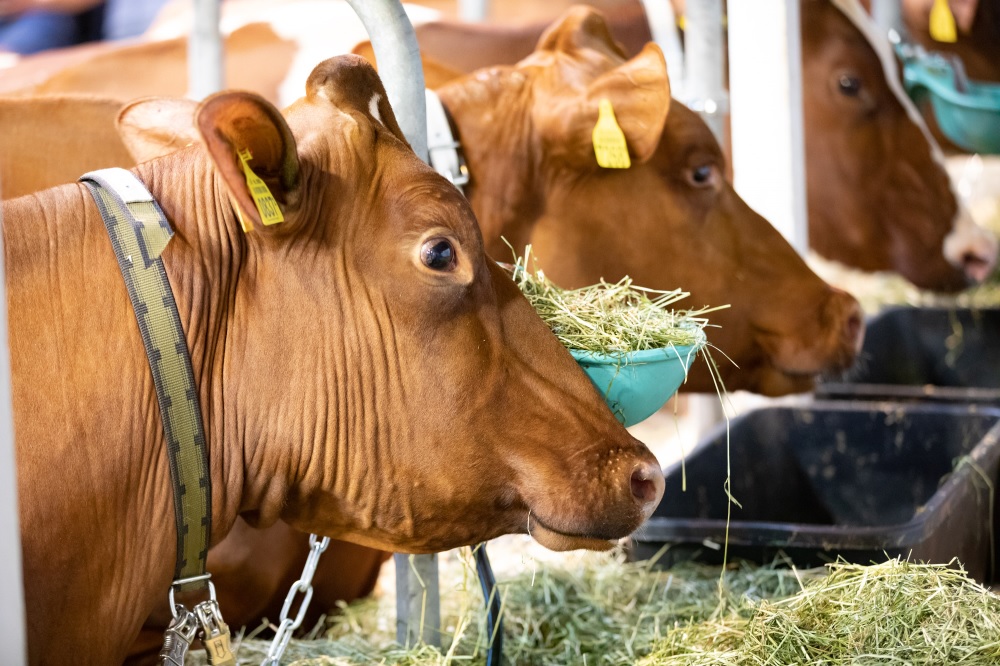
{"x": 646, "y": 482}
{"x": 971, "y": 249}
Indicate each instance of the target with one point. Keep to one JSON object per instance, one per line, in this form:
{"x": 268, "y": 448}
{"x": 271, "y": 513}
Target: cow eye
{"x": 702, "y": 176}
{"x": 849, "y": 85}
{"x": 438, "y": 254}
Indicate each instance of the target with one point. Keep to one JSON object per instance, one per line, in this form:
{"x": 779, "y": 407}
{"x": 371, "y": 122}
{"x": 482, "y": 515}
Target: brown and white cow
{"x": 364, "y": 370}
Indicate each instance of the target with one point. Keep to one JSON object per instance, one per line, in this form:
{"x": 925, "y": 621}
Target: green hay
{"x": 876, "y": 291}
{"x": 613, "y": 318}
{"x": 598, "y": 609}
{"x": 893, "y": 613}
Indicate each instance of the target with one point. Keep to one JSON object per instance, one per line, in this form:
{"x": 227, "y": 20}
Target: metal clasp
{"x": 178, "y": 637}
{"x": 180, "y": 582}
{"x": 215, "y": 634}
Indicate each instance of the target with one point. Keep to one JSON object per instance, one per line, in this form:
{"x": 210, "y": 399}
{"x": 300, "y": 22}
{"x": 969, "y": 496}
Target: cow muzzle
{"x": 971, "y": 248}
{"x": 640, "y": 493}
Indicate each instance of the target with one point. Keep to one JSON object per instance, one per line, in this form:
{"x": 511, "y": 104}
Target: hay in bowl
{"x": 635, "y": 348}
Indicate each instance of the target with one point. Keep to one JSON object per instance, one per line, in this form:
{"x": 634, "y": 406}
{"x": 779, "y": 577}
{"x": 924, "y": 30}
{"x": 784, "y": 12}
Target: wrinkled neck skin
{"x": 497, "y": 138}
{"x": 279, "y": 414}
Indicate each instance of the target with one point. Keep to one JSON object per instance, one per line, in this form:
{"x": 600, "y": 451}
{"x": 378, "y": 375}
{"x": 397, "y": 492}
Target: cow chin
{"x": 773, "y": 382}
{"x": 558, "y": 541}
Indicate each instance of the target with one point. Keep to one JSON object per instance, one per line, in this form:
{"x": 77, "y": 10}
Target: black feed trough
{"x": 934, "y": 354}
{"x": 862, "y": 481}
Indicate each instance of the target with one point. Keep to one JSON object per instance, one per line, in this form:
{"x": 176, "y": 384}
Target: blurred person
{"x": 121, "y": 18}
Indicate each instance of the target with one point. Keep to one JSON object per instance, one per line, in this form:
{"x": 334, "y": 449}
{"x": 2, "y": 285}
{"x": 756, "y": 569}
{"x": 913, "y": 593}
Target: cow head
{"x": 671, "y": 220}
{"x": 399, "y": 391}
{"x": 879, "y": 197}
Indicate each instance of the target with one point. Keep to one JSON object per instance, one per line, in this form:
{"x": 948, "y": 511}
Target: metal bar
{"x": 12, "y": 620}
{"x": 765, "y": 90}
{"x": 663, "y": 27}
{"x": 395, "y": 46}
{"x": 418, "y": 599}
{"x": 491, "y": 597}
{"x": 888, "y": 15}
{"x": 205, "y": 70}
{"x": 473, "y": 10}
{"x": 704, "y": 89}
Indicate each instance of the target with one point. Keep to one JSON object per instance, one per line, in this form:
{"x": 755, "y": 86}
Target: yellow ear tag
{"x": 942, "y": 22}
{"x": 609, "y": 140}
{"x": 268, "y": 208}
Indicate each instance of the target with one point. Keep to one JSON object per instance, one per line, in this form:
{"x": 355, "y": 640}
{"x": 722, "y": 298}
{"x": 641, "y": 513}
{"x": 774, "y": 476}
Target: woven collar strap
{"x": 139, "y": 233}
{"x": 443, "y": 150}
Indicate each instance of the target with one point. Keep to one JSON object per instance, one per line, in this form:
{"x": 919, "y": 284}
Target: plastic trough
{"x": 862, "y": 481}
{"x": 929, "y": 354}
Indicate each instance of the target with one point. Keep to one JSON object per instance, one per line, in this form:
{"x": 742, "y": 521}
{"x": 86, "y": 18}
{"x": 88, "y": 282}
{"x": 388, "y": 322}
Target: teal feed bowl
{"x": 635, "y": 385}
{"x": 969, "y": 118}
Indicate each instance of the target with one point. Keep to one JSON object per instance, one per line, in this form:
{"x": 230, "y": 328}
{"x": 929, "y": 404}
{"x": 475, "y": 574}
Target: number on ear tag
{"x": 942, "y": 26}
{"x": 609, "y": 140}
{"x": 268, "y": 208}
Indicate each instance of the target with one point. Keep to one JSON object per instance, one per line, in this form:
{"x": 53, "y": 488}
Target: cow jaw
{"x": 557, "y": 541}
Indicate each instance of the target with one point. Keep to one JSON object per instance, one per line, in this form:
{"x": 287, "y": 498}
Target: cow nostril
{"x": 647, "y": 485}
{"x": 975, "y": 267}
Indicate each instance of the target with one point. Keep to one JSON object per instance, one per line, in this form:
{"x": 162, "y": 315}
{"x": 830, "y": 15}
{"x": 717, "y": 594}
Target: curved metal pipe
{"x": 395, "y": 46}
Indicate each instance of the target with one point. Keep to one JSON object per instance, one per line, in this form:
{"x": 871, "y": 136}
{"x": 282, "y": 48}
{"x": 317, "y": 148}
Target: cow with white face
{"x": 363, "y": 369}
{"x": 879, "y": 195}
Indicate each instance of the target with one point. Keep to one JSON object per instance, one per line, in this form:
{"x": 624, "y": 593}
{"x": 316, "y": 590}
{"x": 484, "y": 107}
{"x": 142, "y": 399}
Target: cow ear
{"x": 580, "y": 28}
{"x": 242, "y": 129}
{"x": 639, "y": 95}
{"x": 156, "y": 126}
{"x": 351, "y": 83}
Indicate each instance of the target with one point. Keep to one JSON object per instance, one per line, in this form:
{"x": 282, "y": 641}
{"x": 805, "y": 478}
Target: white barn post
{"x": 13, "y": 637}
{"x": 418, "y": 605}
{"x": 663, "y": 27}
{"x": 473, "y": 10}
{"x": 765, "y": 92}
{"x": 704, "y": 90}
{"x": 205, "y": 70}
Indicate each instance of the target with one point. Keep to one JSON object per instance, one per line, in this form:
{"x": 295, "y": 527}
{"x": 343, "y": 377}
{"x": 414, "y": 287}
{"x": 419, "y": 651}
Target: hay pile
{"x": 611, "y": 318}
{"x": 876, "y": 291}
{"x": 892, "y": 613}
{"x": 598, "y": 609}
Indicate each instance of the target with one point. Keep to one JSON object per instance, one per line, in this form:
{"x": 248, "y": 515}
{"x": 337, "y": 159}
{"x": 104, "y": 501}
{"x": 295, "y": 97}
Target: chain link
{"x": 287, "y": 626}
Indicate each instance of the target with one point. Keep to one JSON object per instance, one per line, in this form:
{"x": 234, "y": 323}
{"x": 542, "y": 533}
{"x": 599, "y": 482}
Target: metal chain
{"x": 287, "y": 626}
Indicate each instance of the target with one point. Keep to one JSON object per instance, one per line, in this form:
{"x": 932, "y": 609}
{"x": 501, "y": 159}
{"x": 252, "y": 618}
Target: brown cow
{"x": 364, "y": 370}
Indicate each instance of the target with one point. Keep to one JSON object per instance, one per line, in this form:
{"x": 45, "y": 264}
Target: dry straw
{"x": 598, "y": 609}
{"x": 611, "y": 318}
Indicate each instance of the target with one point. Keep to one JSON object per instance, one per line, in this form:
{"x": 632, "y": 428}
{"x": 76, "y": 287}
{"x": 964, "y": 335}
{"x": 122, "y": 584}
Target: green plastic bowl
{"x": 971, "y": 118}
{"x": 635, "y": 385}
